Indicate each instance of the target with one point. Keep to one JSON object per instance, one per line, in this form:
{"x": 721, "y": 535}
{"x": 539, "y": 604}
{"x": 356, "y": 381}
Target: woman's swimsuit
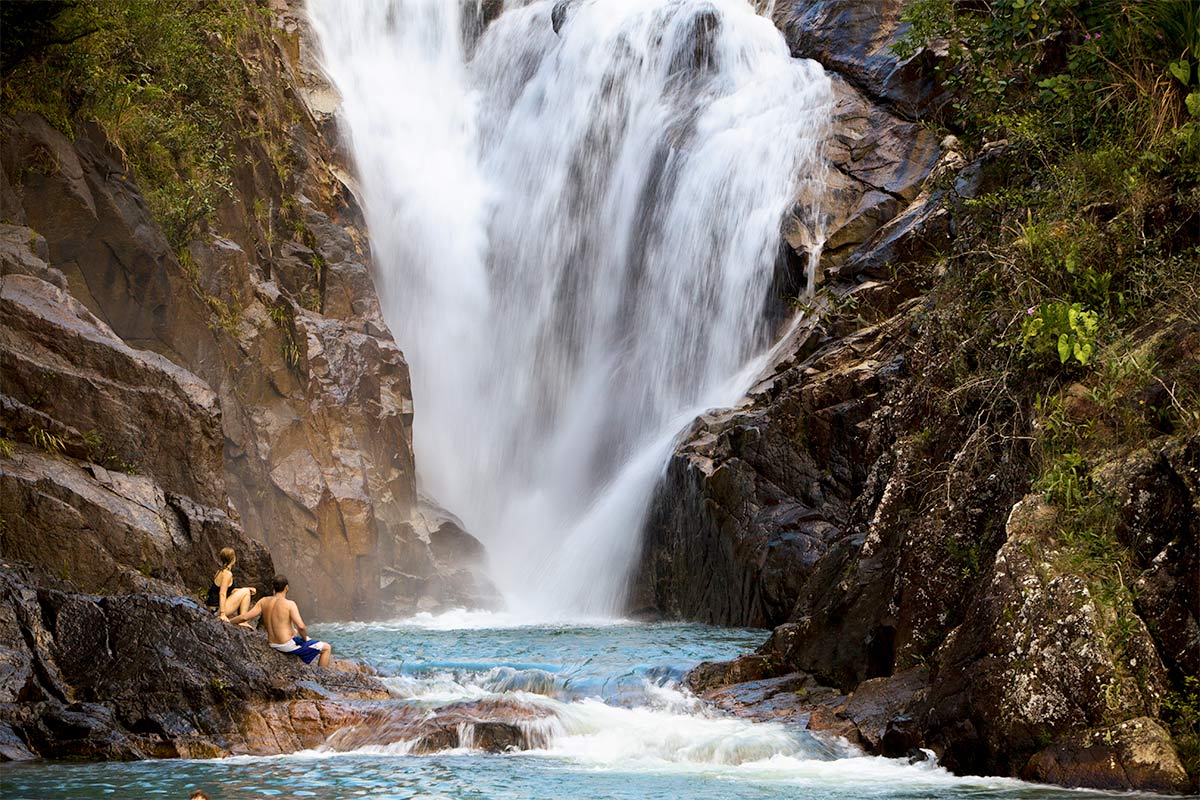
{"x": 213, "y": 601}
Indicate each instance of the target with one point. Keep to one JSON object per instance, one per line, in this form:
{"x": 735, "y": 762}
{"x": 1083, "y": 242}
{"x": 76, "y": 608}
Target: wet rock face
{"x": 855, "y": 39}
{"x": 758, "y": 497}
{"x": 491, "y": 726}
{"x": 153, "y": 676}
{"x": 879, "y": 154}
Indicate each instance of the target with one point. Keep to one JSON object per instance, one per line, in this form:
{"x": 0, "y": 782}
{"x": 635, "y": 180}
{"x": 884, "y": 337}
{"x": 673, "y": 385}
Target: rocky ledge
{"x": 889, "y": 717}
{"x": 268, "y": 308}
{"x": 155, "y": 676}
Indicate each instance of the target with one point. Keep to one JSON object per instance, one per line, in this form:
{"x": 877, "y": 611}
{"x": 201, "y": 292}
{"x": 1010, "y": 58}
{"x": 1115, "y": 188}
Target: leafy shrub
{"x": 1067, "y": 331}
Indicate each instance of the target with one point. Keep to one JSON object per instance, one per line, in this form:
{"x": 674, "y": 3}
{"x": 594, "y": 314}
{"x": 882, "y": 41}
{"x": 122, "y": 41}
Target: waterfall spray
{"x": 575, "y": 234}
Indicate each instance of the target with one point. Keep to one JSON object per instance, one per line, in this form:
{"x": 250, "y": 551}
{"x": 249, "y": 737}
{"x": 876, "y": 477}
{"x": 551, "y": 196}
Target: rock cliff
{"x": 876, "y": 498}
{"x": 269, "y": 303}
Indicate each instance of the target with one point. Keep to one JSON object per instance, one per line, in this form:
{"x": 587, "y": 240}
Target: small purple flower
{"x": 1029, "y": 310}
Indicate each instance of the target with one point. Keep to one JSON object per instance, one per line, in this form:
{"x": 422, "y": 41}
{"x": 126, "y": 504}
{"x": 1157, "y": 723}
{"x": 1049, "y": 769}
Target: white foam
{"x": 464, "y": 619}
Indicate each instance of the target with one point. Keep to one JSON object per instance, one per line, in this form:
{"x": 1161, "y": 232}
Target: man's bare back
{"x": 280, "y": 616}
{"x": 286, "y": 631}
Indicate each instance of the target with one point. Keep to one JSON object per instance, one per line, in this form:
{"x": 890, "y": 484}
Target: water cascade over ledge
{"x": 576, "y": 231}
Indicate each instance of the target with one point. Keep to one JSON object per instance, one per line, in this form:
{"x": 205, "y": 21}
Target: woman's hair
{"x": 227, "y": 557}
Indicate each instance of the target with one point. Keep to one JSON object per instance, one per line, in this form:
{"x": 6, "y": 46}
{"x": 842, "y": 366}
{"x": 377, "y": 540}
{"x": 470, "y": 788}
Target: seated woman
{"x": 222, "y": 598}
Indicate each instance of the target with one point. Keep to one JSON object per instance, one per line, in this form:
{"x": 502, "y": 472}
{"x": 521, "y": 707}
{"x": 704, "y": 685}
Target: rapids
{"x": 619, "y": 728}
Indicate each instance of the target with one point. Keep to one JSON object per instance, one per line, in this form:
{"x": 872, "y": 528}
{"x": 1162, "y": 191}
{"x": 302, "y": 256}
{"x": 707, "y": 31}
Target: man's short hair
{"x": 279, "y": 583}
{"x": 199, "y": 794}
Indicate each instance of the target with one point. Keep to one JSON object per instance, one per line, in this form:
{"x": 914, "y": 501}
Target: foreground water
{"x": 620, "y": 729}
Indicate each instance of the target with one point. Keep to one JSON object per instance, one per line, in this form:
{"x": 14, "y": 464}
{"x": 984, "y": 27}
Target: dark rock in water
{"x": 558, "y": 14}
{"x": 154, "y": 676}
{"x": 711, "y": 675}
{"x": 795, "y": 698}
{"x": 1137, "y": 754}
{"x": 695, "y": 45}
{"x": 880, "y": 705}
{"x": 901, "y": 738}
{"x": 757, "y": 498}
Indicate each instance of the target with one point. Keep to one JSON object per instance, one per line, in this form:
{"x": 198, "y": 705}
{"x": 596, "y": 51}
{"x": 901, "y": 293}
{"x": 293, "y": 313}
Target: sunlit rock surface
{"x": 315, "y": 422}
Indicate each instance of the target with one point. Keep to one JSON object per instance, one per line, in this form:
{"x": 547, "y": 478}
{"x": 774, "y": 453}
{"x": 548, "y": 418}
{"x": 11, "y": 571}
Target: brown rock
{"x": 72, "y": 395}
{"x": 1137, "y": 754}
{"x": 492, "y": 726}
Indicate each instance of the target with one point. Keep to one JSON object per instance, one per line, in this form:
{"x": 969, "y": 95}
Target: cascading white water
{"x": 575, "y": 235}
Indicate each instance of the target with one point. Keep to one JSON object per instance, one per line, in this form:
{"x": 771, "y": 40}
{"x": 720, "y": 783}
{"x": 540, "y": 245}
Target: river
{"x": 619, "y": 729}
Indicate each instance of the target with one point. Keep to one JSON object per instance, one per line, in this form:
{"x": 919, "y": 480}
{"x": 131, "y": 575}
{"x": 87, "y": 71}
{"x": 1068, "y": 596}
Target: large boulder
{"x": 1136, "y": 754}
{"x": 154, "y": 676}
{"x": 493, "y": 726}
{"x": 857, "y": 40}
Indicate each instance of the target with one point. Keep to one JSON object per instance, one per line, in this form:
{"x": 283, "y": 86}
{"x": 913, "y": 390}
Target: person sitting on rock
{"x": 222, "y": 598}
{"x": 285, "y": 629}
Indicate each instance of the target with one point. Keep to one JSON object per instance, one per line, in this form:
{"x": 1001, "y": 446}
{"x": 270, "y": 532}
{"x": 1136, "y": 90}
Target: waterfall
{"x": 575, "y": 234}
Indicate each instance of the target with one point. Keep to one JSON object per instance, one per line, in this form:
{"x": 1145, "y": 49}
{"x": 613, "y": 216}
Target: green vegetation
{"x": 1068, "y": 331}
{"x": 282, "y": 318}
{"x": 163, "y": 79}
{"x": 1061, "y": 319}
{"x": 50, "y": 442}
{"x": 1181, "y": 710}
{"x": 166, "y": 82}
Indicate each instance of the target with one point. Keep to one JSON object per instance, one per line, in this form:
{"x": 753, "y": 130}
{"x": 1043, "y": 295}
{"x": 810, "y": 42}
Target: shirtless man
{"x": 283, "y": 623}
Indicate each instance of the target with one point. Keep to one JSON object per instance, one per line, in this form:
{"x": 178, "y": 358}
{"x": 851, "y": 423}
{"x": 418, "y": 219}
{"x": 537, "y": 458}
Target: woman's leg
{"x": 237, "y": 602}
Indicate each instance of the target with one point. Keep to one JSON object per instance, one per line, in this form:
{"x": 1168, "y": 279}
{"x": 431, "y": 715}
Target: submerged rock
{"x": 491, "y": 726}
